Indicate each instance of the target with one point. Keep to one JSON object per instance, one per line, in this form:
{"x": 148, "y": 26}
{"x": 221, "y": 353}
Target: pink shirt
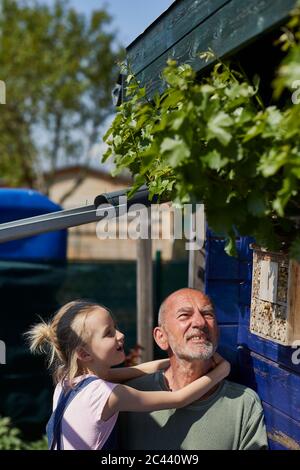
{"x": 82, "y": 428}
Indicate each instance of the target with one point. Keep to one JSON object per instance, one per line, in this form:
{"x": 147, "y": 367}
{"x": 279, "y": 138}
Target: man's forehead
{"x": 188, "y": 300}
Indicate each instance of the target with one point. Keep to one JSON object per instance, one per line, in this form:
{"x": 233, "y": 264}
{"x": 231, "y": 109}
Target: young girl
{"x": 83, "y": 344}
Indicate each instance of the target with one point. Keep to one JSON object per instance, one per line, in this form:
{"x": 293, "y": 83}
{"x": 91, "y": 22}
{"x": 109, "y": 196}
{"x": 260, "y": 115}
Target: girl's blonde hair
{"x": 61, "y": 337}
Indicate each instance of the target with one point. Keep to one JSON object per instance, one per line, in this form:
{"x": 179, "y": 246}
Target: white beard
{"x": 204, "y": 350}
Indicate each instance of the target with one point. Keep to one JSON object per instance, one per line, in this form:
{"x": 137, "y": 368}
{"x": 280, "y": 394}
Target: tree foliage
{"x": 212, "y": 140}
{"x": 59, "y": 67}
{"x": 11, "y": 438}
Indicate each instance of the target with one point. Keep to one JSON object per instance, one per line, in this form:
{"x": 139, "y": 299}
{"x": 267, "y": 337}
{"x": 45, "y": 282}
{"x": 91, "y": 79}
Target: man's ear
{"x": 160, "y": 338}
{"x": 83, "y": 355}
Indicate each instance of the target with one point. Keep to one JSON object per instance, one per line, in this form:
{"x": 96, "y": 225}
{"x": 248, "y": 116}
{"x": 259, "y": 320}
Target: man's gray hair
{"x": 161, "y": 313}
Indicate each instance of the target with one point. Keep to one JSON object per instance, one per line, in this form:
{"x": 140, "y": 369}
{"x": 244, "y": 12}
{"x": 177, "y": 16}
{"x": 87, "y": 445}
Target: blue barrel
{"x": 23, "y": 203}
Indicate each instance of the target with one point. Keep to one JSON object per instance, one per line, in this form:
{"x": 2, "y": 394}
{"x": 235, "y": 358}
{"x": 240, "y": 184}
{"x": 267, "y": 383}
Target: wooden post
{"x": 145, "y": 296}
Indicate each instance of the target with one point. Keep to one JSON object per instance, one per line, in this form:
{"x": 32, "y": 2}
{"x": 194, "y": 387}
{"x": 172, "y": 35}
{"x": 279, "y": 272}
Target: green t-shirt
{"x": 230, "y": 418}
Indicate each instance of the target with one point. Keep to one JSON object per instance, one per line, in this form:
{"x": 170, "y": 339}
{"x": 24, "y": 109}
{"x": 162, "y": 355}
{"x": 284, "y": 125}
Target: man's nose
{"x": 198, "y": 321}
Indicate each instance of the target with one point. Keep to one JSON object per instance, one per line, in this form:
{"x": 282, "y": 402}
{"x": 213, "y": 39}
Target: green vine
{"x": 214, "y": 141}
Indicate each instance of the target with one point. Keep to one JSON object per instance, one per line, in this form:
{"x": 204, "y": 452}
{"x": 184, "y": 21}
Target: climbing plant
{"x": 213, "y": 140}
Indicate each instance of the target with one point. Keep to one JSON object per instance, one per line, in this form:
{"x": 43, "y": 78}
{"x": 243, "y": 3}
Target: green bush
{"x": 11, "y": 438}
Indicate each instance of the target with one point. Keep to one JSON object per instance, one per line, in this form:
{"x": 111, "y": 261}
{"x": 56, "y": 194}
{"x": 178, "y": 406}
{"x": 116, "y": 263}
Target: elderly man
{"x": 230, "y": 416}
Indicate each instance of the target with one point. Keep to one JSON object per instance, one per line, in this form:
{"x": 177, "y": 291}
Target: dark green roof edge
{"x": 189, "y": 27}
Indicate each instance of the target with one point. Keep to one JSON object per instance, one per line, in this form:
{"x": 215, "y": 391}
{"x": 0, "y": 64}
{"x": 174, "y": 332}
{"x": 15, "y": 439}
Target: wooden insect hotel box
{"x": 275, "y": 301}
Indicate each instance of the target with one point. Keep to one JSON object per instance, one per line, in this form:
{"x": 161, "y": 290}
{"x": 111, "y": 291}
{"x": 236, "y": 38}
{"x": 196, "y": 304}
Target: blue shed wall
{"x": 263, "y": 365}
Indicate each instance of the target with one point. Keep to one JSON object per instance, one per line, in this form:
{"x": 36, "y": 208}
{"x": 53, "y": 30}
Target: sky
{"x": 130, "y": 17}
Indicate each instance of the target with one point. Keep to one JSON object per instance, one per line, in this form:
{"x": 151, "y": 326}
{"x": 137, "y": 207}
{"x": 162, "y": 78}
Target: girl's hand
{"x": 217, "y": 359}
{"x": 224, "y": 366}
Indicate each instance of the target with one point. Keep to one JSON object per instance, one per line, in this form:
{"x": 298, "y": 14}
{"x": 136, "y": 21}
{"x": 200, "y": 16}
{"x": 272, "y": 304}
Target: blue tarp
{"x": 23, "y": 203}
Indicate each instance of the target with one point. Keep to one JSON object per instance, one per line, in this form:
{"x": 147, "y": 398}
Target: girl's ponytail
{"x": 39, "y": 336}
{"x": 42, "y": 339}
{"x": 60, "y": 338}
